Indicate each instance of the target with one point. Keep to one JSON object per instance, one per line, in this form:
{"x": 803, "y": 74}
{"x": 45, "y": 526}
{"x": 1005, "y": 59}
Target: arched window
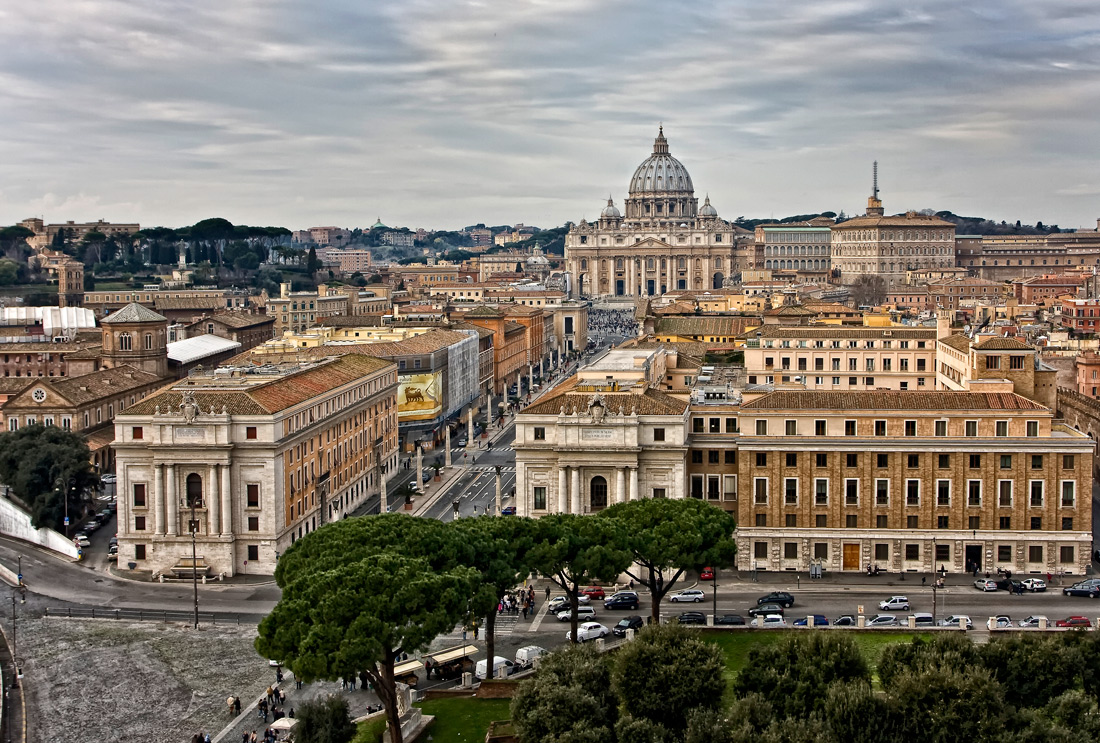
{"x": 718, "y": 262}
{"x": 618, "y": 264}
{"x": 598, "y": 493}
{"x": 194, "y": 491}
{"x": 681, "y": 263}
{"x": 148, "y": 341}
{"x": 649, "y": 264}
{"x": 584, "y": 264}
{"x": 125, "y": 342}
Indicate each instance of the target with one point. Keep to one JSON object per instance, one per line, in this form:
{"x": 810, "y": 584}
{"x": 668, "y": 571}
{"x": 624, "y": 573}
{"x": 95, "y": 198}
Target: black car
{"x": 764, "y": 609}
{"x": 729, "y": 619}
{"x": 782, "y": 598}
{"x": 692, "y": 617}
{"x": 1089, "y": 591}
{"x": 623, "y": 600}
{"x": 632, "y": 622}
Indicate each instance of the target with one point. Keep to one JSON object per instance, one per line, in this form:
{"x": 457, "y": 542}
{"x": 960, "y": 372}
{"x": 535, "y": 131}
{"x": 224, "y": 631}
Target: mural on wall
{"x": 419, "y": 396}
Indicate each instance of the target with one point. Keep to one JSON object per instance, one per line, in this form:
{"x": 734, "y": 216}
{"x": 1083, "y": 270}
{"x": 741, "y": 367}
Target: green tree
{"x": 939, "y": 705}
{"x": 13, "y": 241}
{"x": 665, "y": 674}
{"x": 573, "y": 550}
{"x": 44, "y": 466}
{"x": 339, "y": 616}
{"x": 324, "y": 721}
{"x": 952, "y": 650}
{"x": 313, "y": 263}
{"x": 496, "y": 548}
{"x": 855, "y": 714}
{"x": 9, "y": 272}
{"x": 1032, "y": 669}
{"x": 568, "y": 700}
{"x": 667, "y": 536}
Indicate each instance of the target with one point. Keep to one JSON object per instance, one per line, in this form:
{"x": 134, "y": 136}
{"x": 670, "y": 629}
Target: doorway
{"x": 851, "y": 557}
{"x": 597, "y": 493}
{"x": 620, "y": 287}
{"x": 973, "y": 557}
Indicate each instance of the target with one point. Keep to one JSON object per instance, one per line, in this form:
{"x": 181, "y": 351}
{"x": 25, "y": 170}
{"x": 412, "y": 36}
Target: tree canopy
{"x": 569, "y": 700}
{"x": 40, "y": 463}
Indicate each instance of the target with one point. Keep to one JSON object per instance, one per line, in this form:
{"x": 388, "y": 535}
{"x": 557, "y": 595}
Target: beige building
{"x": 992, "y": 363}
{"x": 297, "y": 311}
{"x": 263, "y": 455}
{"x": 665, "y": 241}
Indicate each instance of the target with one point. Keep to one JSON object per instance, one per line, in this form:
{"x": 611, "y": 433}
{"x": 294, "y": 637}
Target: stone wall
{"x": 15, "y": 522}
{"x": 1083, "y": 414}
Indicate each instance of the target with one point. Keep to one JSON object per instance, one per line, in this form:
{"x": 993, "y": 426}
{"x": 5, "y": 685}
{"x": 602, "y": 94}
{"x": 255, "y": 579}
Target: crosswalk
{"x": 491, "y": 468}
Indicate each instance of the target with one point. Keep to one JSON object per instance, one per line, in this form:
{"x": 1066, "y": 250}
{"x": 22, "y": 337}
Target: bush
{"x": 324, "y": 721}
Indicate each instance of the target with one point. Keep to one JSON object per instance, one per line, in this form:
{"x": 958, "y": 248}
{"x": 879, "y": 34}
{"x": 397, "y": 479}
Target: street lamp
{"x": 193, "y": 527}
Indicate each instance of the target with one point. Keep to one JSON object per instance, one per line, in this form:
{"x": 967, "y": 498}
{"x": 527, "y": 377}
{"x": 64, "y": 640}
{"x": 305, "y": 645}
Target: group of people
{"x": 520, "y": 601}
{"x": 272, "y": 703}
{"x": 612, "y": 322}
{"x": 269, "y": 736}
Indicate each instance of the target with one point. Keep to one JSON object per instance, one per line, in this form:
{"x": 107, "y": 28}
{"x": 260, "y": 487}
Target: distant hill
{"x": 964, "y": 225}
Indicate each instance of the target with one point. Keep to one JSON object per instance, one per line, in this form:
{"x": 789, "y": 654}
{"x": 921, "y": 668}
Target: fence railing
{"x": 141, "y": 615}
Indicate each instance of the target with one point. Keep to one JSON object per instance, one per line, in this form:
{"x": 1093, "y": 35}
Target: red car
{"x": 706, "y": 574}
{"x": 1073, "y": 622}
{"x": 593, "y": 592}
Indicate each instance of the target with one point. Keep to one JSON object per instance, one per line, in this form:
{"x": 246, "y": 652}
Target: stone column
{"x": 500, "y": 504}
{"x": 171, "y": 500}
{"x": 213, "y": 503}
{"x": 563, "y": 490}
{"x": 531, "y": 379}
{"x": 227, "y": 500}
{"x": 575, "y": 490}
{"x": 620, "y": 484}
{"x": 470, "y": 430}
{"x": 633, "y": 495}
{"x": 383, "y": 506}
{"x": 447, "y": 444}
{"x": 419, "y": 464}
{"x": 158, "y": 498}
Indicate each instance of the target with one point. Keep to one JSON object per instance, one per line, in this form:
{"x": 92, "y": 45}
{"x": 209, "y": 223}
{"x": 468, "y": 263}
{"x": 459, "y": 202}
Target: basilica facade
{"x": 664, "y": 242}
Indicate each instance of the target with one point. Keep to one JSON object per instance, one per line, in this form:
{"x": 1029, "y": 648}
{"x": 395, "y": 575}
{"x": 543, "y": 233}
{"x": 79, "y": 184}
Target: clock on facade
{"x": 39, "y": 395}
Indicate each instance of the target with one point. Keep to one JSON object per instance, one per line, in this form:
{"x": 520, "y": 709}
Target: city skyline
{"x": 427, "y": 114}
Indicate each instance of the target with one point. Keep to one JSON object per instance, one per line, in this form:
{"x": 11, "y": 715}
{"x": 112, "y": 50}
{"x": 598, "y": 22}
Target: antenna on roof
{"x": 874, "y": 187}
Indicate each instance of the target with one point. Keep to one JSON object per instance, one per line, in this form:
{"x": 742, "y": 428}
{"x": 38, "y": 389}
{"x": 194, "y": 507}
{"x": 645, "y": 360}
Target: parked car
{"x": 82, "y": 540}
{"x": 112, "y": 556}
{"x": 688, "y": 594}
{"x": 498, "y": 664}
{"x": 985, "y": 584}
{"x": 1033, "y": 621}
{"x": 593, "y": 592}
{"x": 589, "y": 631}
{"x": 1075, "y": 621}
{"x": 692, "y": 617}
{"x": 1012, "y": 585}
{"x": 622, "y": 600}
{"x": 955, "y": 620}
{"x": 895, "y": 603}
{"x": 1000, "y": 622}
{"x": 558, "y": 603}
{"x": 923, "y": 619}
{"x": 426, "y": 475}
{"x": 1081, "y": 589}
{"x": 845, "y": 620}
{"x": 1034, "y": 584}
{"x": 583, "y": 613}
{"x": 882, "y": 620}
{"x": 765, "y": 609}
{"x": 782, "y": 598}
{"x": 730, "y": 619}
{"x": 508, "y": 511}
{"x": 109, "y": 478}
{"x": 90, "y": 527}
{"x": 526, "y": 656}
{"x": 819, "y": 621}
{"x": 769, "y": 621}
{"x": 632, "y": 622}
{"x": 706, "y": 574}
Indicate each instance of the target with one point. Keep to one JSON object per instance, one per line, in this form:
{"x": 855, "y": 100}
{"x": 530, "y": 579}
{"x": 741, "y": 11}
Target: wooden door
{"x": 851, "y": 557}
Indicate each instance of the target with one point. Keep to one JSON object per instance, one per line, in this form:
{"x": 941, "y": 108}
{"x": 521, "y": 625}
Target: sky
{"x": 438, "y": 114}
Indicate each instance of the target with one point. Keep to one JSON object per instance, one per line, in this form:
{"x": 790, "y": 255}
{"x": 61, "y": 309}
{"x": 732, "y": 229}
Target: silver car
{"x": 1033, "y": 621}
{"x": 583, "y": 613}
{"x": 882, "y": 620}
{"x": 688, "y": 594}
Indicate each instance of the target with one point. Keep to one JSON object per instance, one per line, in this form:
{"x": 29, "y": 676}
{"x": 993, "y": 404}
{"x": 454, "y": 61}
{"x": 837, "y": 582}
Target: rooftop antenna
{"x": 874, "y": 188}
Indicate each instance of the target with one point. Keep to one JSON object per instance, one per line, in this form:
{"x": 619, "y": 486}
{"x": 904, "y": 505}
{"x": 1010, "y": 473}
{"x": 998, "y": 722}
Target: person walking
{"x": 237, "y": 705}
{"x": 548, "y": 593}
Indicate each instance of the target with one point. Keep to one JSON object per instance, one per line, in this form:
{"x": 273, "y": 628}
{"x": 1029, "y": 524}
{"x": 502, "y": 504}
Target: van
{"x": 498, "y": 663}
{"x": 922, "y": 619}
{"x": 525, "y": 656}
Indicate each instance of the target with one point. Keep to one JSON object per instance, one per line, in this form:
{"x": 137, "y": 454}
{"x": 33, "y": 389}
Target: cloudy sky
{"x": 440, "y": 114}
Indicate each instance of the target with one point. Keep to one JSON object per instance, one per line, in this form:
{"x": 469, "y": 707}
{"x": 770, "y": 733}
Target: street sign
{"x": 66, "y": 521}
{"x": 20, "y": 577}
{"x": 859, "y": 609}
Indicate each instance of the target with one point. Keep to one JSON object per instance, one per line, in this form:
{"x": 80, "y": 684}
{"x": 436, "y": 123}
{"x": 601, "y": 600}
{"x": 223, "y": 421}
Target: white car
{"x": 83, "y": 541}
{"x": 693, "y": 595}
{"x": 589, "y": 631}
{"x": 583, "y": 612}
{"x": 985, "y": 584}
{"x": 955, "y": 619}
{"x": 1034, "y": 584}
{"x": 769, "y": 620}
{"x": 1033, "y": 621}
{"x": 498, "y": 663}
{"x": 895, "y": 603}
{"x": 108, "y": 478}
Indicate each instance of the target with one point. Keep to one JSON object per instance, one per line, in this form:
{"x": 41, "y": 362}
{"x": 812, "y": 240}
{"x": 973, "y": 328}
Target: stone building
{"x": 137, "y": 337}
{"x": 665, "y": 241}
{"x": 247, "y": 328}
{"x": 251, "y": 458}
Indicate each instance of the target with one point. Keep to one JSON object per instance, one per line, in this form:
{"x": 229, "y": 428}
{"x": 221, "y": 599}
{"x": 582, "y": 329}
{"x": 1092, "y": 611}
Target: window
{"x": 139, "y": 495}
{"x": 975, "y": 461}
{"x": 253, "y": 495}
{"x": 697, "y": 425}
{"x": 1006, "y": 461}
{"x": 761, "y": 459}
{"x": 912, "y": 522}
{"x": 851, "y": 459}
{"x": 1036, "y": 523}
{"x": 250, "y": 432}
{"x": 658, "y": 434}
{"x": 761, "y": 519}
{"x": 712, "y": 456}
{"x": 761, "y": 427}
{"x": 731, "y": 425}
{"x": 253, "y": 523}
{"x": 912, "y": 461}
{"x": 912, "y": 552}
{"x": 125, "y": 342}
{"x": 790, "y": 428}
{"x": 760, "y": 550}
{"x": 943, "y": 552}
{"x": 882, "y": 552}
{"x": 1067, "y": 523}
{"x": 791, "y": 459}
{"x": 941, "y": 428}
{"x": 658, "y": 492}
{"x": 993, "y": 362}
{"x": 973, "y": 492}
{"x": 139, "y": 523}
{"x": 819, "y": 428}
{"x": 790, "y": 550}
{"x": 1004, "y": 493}
{"x": 760, "y": 490}
{"x": 1000, "y": 428}
{"x": 1067, "y": 461}
{"x": 851, "y": 492}
{"x": 971, "y": 428}
{"x": 910, "y": 428}
{"x": 1065, "y": 554}
{"x": 880, "y": 428}
{"x": 540, "y": 498}
{"x": 882, "y": 492}
{"x": 253, "y": 552}
{"x": 1032, "y": 428}
{"x": 715, "y": 425}
{"x": 1036, "y": 493}
{"x": 730, "y": 487}
{"x": 942, "y": 522}
{"x": 849, "y": 428}
{"x": 696, "y": 456}
{"x": 1004, "y": 553}
{"x": 139, "y": 551}
{"x": 1036, "y": 461}
{"x": 730, "y": 456}
{"x": 821, "y": 521}
{"x": 137, "y": 432}
{"x": 540, "y": 433}
{"x": 1068, "y": 492}
{"x": 943, "y": 492}
{"x": 851, "y": 521}
{"x": 943, "y": 461}
{"x": 821, "y": 492}
{"x": 696, "y": 486}
{"x": 1004, "y": 522}
{"x": 821, "y": 550}
{"x": 790, "y": 491}
{"x": 1035, "y": 553}
{"x": 1015, "y": 362}
{"x": 974, "y": 523}
{"x": 821, "y": 459}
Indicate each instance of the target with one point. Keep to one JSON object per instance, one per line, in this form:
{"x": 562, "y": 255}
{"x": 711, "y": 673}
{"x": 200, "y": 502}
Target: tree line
{"x": 360, "y": 593}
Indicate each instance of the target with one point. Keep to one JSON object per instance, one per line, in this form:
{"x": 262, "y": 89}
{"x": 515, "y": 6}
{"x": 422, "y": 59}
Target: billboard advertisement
{"x": 419, "y": 396}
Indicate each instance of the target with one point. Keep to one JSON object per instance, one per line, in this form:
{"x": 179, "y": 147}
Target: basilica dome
{"x": 610, "y": 211}
{"x": 706, "y": 210}
{"x": 661, "y": 172}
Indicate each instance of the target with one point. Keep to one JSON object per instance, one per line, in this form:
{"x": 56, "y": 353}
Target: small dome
{"x": 706, "y": 210}
{"x": 610, "y": 211}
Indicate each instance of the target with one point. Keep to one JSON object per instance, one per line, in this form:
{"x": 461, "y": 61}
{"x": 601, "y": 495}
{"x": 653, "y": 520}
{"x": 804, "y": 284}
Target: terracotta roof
{"x": 418, "y": 344}
{"x": 85, "y": 354}
{"x": 188, "y": 303}
{"x": 893, "y": 401}
{"x": 484, "y": 311}
{"x": 270, "y": 397}
{"x": 44, "y": 346}
{"x": 688, "y": 351}
{"x": 86, "y": 388}
{"x": 15, "y": 385}
{"x": 133, "y": 312}
{"x": 100, "y": 438}
{"x": 676, "y": 308}
{"x": 968, "y": 281}
{"x": 790, "y": 310}
{"x": 957, "y": 341}
{"x": 1003, "y": 344}
{"x": 807, "y": 332}
{"x": 727, "y": 325}
{"x": 512, "y": 326}
{"x": 1060, "y": 280}
{"x": 827, "y": 307}
{"x": 651, "y": 402}
{"x": 239, "y": 319}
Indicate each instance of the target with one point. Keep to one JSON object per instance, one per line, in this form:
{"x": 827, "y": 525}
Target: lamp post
{"x": 714, "y": 583}
{"x": 194, "y": 528}
{"x": 498, "y": 500}
{"x": 933, "y": 579}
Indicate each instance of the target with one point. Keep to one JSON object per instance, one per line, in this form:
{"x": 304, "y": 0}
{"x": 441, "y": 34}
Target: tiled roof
{"x": 44, "y": 346}
{"x": 807, "y": 332}
{"x": 894, "y": 401}
{"x": 957, "y": 341}
{"x": 240, "y": 319}
{"x": 967, "y": 281}
{"x": 676, "y": 308}
{"x": 827, "y": 307}
{"x": 688, "y": 351}
{"x": 133, "y": 312}
{"x": 484, "y": 311}
{"x": 723, "y": 325}
{"x": 512, "y": 326}
{"x": 790, "y": 310}
{"x": 651, "y": 402}
{"x": 14, "y": 385}
{"x": 1003, "y": 344}
{"x": 188, "y": 303}
{"x": 1061, "y": 280}
{"x": 97, "y": 385}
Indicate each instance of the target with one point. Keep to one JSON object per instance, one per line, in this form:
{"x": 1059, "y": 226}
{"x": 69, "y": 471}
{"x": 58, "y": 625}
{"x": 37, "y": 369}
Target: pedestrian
{"x": 269, "y": 697}
{"x": 548, "y": 593}
{"x": 244, "y": 737}
{"x": 291, "y": 713}
{"x": 475, "y": 630}
{"x": 525, "y": 611}
{"x": 297, "y": 683}
{"x": 923, "y": 578}
{"x": 229, "y": 701}
{"x": 252, "y": 738}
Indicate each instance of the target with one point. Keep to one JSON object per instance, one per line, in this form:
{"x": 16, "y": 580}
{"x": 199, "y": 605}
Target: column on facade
{"x": 620, "y": 484}
{"x": 170, "y": 499}
{"x": 575, "y": 490}
{"x": 563, "y": 490}
{"x": 227, "y": 504}
{"x": 419, "y": 463}
{"x": 158, "y": 498}
{"x": 633, "y": 495}
{"x": 213, "y": 502}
